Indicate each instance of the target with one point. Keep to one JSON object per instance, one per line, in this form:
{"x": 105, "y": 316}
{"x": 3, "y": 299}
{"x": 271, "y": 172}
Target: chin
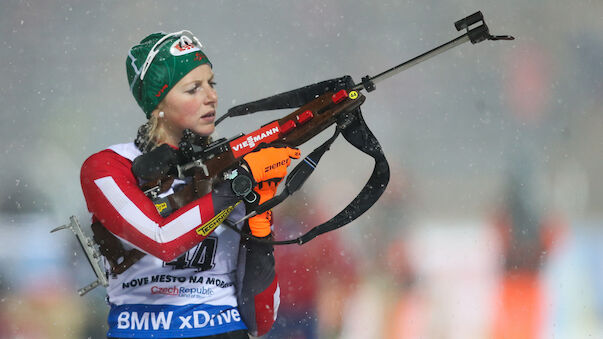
{"x": 205, "y": 130}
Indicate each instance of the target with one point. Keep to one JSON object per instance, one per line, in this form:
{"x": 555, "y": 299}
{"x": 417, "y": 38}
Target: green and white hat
{"x": 158, "y": 62}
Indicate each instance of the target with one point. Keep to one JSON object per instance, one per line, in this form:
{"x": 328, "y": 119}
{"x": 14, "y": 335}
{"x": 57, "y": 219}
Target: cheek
{"x": 191, "y": 107}
{"x": 187, "y": 110}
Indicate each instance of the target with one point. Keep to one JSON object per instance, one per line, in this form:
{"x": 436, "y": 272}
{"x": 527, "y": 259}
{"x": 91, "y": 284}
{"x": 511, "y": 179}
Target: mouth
{"x": 209, "y": 115}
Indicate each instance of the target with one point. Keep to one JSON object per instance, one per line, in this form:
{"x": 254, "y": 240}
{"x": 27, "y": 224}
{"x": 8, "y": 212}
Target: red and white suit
{"x": 189, "y": 285}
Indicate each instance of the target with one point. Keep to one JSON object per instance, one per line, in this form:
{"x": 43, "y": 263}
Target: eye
{"x": 212, "y": 84}
{"x": 194, "y": 89}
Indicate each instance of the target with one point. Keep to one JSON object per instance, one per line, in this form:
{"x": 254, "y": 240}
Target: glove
{"x": 270, "y": 162}
{"x": 268, "y": 166}
{"x": 156, "y": 163}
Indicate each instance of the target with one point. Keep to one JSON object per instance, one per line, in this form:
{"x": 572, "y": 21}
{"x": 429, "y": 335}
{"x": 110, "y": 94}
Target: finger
{"x": 260, "y": 224}
{"x": 268, "y": 185}
{"x": 294, "y": 153}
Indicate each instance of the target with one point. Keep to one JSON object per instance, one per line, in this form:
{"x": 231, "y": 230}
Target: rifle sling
{"x": 357, "y": 133}
{"x": 112, "y": 249}
{"x": 360, "y": 136}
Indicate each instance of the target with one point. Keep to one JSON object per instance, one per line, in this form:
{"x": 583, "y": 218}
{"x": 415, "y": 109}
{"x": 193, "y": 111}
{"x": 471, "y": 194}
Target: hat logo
{"x": 199, "y": 56}
{"x": 160, "y": 92}
{"x": 179, "y": 48}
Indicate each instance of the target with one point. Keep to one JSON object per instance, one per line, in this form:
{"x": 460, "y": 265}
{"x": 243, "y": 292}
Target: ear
{"x": 155, "y": 112}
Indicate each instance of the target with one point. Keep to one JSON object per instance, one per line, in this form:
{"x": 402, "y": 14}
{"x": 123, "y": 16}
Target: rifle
{"x": 336, "y": 101}
{"x": 319, "y": 106}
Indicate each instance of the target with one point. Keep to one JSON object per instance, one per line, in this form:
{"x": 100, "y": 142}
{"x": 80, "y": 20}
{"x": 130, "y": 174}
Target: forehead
{"x": 199, "y": 73}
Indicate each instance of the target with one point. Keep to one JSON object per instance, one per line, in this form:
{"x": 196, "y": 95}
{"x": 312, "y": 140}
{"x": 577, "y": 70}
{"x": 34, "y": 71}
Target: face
{"x": 191, "y": 104}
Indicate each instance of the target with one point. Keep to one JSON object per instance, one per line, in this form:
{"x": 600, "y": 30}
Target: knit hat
{"x": 158, "y": 62}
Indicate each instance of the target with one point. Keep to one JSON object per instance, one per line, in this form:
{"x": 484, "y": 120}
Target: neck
{"x": 167, "y": 135}
{"x": 170, "y": 140}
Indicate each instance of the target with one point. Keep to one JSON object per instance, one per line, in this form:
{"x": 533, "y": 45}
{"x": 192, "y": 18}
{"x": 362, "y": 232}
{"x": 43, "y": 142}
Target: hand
{"x": 268, "y": 166}
{"x": 155, "y": 164}
{"x": 270, "y": 162}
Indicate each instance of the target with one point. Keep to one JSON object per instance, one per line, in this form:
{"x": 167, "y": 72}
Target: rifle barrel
{"x": 414, "y": 61}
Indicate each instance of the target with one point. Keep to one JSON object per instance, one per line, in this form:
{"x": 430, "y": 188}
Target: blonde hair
{"x": 149, "y": 135}
{"x": 154, "y": 133}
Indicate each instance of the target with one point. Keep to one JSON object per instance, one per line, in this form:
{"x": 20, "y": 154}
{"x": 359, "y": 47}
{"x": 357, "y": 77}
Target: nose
{"x": 212, "y": 95}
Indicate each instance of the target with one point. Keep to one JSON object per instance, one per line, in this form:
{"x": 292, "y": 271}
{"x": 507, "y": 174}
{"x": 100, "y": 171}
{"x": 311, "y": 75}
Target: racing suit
{"x": 190, "y": 285}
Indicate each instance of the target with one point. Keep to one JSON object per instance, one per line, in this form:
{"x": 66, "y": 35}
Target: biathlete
{"x": 168, "y": 279}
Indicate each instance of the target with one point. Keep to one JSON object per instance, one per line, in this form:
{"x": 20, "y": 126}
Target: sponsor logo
{"x": 195, "y": 292}
{"x": 188, "y": 292}
{"x": 276, "y": 165}
{"x": 246, "y": 143}
{"x": 178, "y": 49}
{"x": 134, "y": 321}
{"x": 164, "y": 290}
{"x": 202, "y": 319}
{"x": 199, "y": 56}
{"x": 353, "y": 95}
{"x": 211, "y": 225}
{"x": 160, "y": 92}
{"x": 177, "y": 320}
{"x": 161, "y": 207}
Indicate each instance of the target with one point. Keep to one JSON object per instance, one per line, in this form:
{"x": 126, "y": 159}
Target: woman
{"x": 168, "y": 279}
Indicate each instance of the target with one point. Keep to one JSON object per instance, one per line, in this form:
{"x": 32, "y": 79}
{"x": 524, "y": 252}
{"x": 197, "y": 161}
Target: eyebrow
{"x": 197, "y": 82}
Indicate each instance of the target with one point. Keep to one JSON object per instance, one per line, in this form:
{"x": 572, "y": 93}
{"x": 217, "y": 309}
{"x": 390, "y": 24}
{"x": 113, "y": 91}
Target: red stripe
{"x": 264, "y": 308}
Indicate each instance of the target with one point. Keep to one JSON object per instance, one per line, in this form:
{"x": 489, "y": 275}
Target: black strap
{"x": 290, "y": 99}
{"x": 360, "y": 136}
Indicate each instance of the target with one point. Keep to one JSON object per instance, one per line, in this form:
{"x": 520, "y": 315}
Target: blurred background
{"x": 491, "y": 224}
